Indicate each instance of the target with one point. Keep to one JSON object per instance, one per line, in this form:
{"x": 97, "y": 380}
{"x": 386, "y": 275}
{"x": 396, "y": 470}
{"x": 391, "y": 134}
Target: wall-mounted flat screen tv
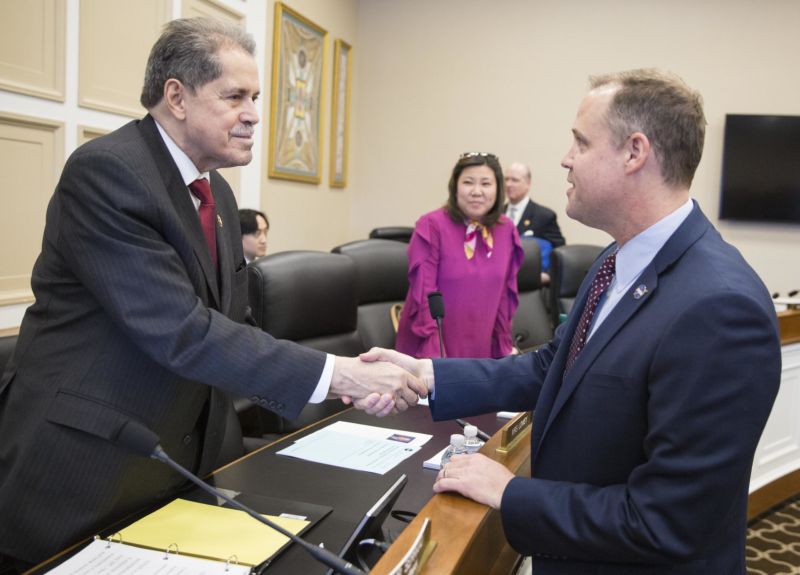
{"x": 761, "y": 169}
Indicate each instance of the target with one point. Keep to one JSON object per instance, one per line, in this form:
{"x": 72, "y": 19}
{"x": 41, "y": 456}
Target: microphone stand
{"x": 441, "y": 341}
{"x": 321, "y": 554}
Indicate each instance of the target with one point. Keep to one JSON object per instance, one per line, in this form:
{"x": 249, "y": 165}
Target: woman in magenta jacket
{"x": 470, "y": 252}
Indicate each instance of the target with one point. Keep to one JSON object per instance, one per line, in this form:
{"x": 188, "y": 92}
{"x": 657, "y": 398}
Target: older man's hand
{"x": 422, "y": 369}
{"x": 378, "y": 387}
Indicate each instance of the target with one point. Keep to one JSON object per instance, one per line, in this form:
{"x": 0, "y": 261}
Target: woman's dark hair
{"x": 248, "y": 221}
{"x": 467, "y": 161}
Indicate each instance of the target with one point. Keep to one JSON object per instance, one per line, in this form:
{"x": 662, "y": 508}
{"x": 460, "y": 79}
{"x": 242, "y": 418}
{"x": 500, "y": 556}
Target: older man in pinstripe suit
{"x": 140, "y": 309}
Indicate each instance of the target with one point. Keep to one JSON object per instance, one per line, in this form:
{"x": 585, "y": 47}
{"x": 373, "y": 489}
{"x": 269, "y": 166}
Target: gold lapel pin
{"x": 527, "y": 222}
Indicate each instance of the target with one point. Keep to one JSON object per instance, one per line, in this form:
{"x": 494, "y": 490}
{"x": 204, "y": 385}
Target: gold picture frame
{"x": 340, "y": 113}
{"x": 298, "y": 83}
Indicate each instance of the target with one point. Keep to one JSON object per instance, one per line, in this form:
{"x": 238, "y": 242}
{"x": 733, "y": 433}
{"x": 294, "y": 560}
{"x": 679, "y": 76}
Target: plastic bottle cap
{"x": 470, "y": 431}
{"x": 457, "y": 440}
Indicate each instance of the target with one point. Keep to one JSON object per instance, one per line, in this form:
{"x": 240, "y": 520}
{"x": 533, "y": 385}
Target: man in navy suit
{"x": 140, "y": 310}
{"x": 532, "y": 220}
{"x": 647, "y": 408}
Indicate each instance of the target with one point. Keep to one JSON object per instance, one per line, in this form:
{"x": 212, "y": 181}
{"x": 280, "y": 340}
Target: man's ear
{"x": 175, "y": 98}
{"x": 637, "y": 150}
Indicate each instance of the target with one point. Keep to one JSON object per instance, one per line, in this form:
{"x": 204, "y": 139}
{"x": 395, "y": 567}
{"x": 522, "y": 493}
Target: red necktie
{"x": 600, "y": 283}
{"x": 208, "y": 214}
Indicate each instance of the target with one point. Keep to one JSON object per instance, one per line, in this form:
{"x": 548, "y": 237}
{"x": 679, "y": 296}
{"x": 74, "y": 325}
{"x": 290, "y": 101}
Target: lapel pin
{"x": 219, "y": 221}
{"x": 527, "y": 222}
{"x": 639, "y": 292}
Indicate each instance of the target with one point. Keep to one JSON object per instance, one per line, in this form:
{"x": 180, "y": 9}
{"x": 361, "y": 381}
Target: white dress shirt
{"x": 190, "y": 173}
{"x": 519, "y": 209}
{"x": 636, "y": 255}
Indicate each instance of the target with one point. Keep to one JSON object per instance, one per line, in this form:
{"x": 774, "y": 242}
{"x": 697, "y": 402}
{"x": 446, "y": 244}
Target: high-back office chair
{"x": 310, "y": 298}
{"x": 397, "y": 233}
{"x": 568, "y": 266}
{"x": 382, "y": 282}
{"x": 531, "y": 326}
{"x": 7, "y": 344}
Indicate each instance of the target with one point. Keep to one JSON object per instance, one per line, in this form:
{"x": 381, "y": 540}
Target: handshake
{"x": 381, "y": 381}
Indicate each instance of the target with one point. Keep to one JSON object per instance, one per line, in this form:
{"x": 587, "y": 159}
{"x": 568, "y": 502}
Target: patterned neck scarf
{"x": 472, "y": 236}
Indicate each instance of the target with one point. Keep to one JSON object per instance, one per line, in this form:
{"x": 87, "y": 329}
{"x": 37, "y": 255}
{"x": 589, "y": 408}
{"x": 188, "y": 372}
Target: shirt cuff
{"x": 324, "y": 383}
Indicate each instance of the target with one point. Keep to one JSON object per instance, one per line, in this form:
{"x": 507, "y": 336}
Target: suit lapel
{"x": 179, "y": 196}
{"x": 224, "y": 249}
{"x": 556, "y": 392}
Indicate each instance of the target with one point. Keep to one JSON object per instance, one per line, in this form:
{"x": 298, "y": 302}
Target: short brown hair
{"x": 662, "y": 107}
{"x": 467, "y": 161}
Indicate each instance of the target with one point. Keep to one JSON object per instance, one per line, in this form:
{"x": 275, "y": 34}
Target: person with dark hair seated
{"x": 470, "y": 252}
{"x": 255, "y": 227}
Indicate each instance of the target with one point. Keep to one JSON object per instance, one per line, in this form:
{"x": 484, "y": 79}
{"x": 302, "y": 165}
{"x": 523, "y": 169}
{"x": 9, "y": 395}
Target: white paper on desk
{"x": 356, "y": 446}
{"x": 101, "y": 558}
{"x": 434, "y": 462}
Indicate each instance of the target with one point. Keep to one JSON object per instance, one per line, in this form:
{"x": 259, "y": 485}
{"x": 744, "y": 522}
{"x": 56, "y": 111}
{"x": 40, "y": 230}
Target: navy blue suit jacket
{"x": 130, "y": 322}
{"x": 539, "y": 221}
{"x": 641, "y": 456}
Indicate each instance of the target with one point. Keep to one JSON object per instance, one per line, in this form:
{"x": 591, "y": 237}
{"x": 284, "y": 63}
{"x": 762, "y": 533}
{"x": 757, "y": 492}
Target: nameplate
{"x": 514, "y": 431}
{"x": 418, "y": 554}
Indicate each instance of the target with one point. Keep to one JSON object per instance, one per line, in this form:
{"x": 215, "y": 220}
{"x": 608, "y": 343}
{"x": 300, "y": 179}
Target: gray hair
{"x": 187, "y": 51}
{"x": 662, "y": 107}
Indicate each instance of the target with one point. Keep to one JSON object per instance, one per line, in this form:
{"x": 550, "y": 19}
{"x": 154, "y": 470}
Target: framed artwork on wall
{"x": 298, "y": 72}
{"x": 340, "y": 113}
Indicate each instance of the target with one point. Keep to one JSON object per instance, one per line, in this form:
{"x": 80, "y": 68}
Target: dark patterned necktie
{"x": 207, "y": 213}
{"x": 600, "y": 283}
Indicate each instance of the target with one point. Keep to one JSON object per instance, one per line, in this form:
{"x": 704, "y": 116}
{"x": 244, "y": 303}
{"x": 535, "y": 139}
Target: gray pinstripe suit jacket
{"x": 129, "y": 322}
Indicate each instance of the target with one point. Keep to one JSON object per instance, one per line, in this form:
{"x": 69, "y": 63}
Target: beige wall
{"x": 431, "y": 79}
{"x": 308, "y": 216}
{"x": 436, "y": 78}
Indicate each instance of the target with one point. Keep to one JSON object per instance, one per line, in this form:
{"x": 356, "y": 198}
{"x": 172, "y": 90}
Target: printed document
{"x": 356, "y": 446}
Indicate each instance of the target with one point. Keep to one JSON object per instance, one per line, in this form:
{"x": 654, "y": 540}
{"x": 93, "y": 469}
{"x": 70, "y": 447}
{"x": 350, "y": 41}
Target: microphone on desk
{"x": 521, "y": 336}
{"x": 139, "y": 439}
{"x": 436, "y": 306}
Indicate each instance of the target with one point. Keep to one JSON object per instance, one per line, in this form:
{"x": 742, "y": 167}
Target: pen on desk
{"x": 483, "y": 435}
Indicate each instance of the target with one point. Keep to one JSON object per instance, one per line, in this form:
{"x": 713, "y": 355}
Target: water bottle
{"x": 456, "y": 448}
{"x": 471, "y": 442}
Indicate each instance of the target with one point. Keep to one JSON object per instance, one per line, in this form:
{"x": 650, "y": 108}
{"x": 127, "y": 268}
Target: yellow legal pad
{"x": 210, "y": 531}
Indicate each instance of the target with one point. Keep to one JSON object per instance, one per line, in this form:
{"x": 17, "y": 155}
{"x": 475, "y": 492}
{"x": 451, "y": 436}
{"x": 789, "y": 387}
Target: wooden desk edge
{"x": 789, "y": 322}
{"x": 468, "y": 535}
{"x": 782, "y": 488}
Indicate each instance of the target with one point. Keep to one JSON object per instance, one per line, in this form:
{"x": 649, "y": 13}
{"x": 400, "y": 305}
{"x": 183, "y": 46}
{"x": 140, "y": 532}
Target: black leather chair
{"x": 308, "y": 297}
{"x": 568, "y": 266}
{"x": 7, "y": 344}
{"x": 531, "y": 325}
{"x": 382, "y": 281}
{"x": 397, "y": 233}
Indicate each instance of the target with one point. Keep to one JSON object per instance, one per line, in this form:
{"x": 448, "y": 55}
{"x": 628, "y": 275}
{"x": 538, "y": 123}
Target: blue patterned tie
{"x": 600, "y": 283}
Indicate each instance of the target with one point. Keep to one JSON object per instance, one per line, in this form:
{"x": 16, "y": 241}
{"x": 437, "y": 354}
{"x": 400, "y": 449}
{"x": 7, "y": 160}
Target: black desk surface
{"x": 350, "y": 493}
